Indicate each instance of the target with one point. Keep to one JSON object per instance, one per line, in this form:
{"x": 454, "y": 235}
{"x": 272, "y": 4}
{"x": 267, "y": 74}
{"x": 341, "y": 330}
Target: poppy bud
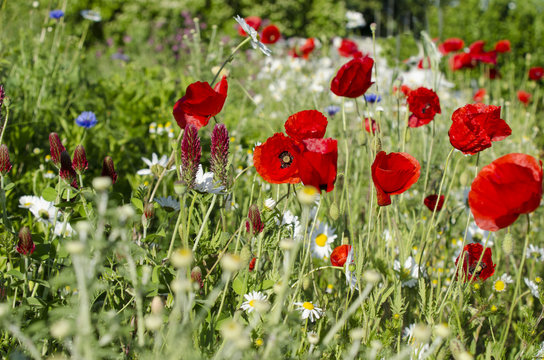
{"x": 245, "y": 254}
{"x": 5, "y": 163}
{"x": 254, "y": 224}
{"x": 56, "y": 148}
{"x": 334, "y": 212}
{"x": 80, "y": 163}
{"x": 306, "y": 283}
{"x": 67, "y": 172}
{"x": 26, "y": 245}
{"x": 108, "y": 169}
{"x": 220, "y": 153}
{"x": 190, "y": 155}
{"x": 508, "y": 244}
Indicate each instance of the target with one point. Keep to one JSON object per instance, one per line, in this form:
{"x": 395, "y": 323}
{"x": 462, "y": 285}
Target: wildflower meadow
{"x": 290, "y": 179}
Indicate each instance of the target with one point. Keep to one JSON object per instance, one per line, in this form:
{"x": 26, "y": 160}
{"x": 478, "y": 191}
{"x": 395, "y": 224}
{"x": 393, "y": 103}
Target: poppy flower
{"x": 451, "y": 45}
{"x": 354, "y": 78}
{"x": 479, "y": 95}
{"x": 318, "y": 163}
{"x": 253, "y": 21}
{"x": 307, "y": 48}
{"x": 424, "y": 63}
{"x": 461, "y": 61}
{"x": 503, "y": 190}
{"x": 393, "y": 174}
{"x": 536, "y": 73}
{"x": 475, "y": 126}
{"x": 405, "y": 89}
{"x": 271, "y": 34}
{"x": 472, "y": 265}
{"x": 502, "y": 46}
{"x": 340, "y": 254}
{"x": 277, "y": 160}
{"x": 424, "y": 105}
{"x": 252, "y": 264}
{"x": 477, "y": 52}
{"x": 200, "y": 103}
{"x": 524, "y": 97}
{"x": 375, "y": 127}
{"x": 349, "y": 48}
{"x": 306, "y": 124}
{"x": 431, "y": 202}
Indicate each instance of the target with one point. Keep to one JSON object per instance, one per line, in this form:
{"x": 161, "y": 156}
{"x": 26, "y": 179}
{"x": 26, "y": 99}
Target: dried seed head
{"x": 190, "y": 155}
{"x": 108, "y": 169}
{"x": 5, "y": 163}
{"x": 80, "y": 163}
{"x": 26, "y": 245}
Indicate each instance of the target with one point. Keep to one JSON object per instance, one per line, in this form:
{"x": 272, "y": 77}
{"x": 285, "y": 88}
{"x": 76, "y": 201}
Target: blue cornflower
{"x": 373, "y": 98}
{"x": 56, "y": 14}
{"x": 86, "y": 119}
{"x": 332, "y": 110}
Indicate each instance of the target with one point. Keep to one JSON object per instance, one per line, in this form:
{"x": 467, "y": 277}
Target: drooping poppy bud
{"x": 220, "y": 153}
{"x": 472, "y": 267}
{"x": 254, "y": 224}
{"x": 80, "y": 163}
{"x": 26, "y": 245}
{"x": 56, "y": 148}
{"x": 5, "y": 163}
{"x": 190, "y": 155}
{"x": 108, "y": 169}
{"x": 67, "y": 172}
{"x": 375, "y": 127}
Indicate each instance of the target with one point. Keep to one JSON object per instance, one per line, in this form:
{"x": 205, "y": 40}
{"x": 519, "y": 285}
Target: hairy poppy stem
{"x": 230, "y": 58}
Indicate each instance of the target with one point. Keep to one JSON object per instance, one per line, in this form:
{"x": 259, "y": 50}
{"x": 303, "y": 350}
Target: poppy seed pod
{"x": 80, "y": 163}
{"x": 5, "y": 163}
{"x": 190, "y": 155}
{"x": 108, "y": 169}
{"x": 56, "y": 148}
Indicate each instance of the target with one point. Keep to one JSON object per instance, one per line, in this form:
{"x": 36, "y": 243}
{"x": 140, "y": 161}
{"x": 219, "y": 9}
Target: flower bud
{"x": 26, "y": 245}
{"x": 102, "y": 183}
{"x": 422, "y": 333}
{"x": 287, "y": 244}
{"x": 196, "y": 276}
{"x": 179, "y": 187}
{"x": 508, "y": 244}
{"x": 67, "y": 172}
{"x": 269, "y": 204}
{"x": 181, "y": 258}
{"x": 254, "y": 224}
{"x": 371, "y": 276}
{"x": 246, "y": 255}
{"x": 313, "y": 338}
{"x": 80, "y": 163}
{"x": 157, "y": 305}
{"x": 149, "y": 211}
{"x": 306, "y": 282}
{"x": 61, "y": 329}
{"x": 190, "y": 155}
{"x": 231, "y": 330}
{"x": 5, "y": 163}
{"x": 108, "y": 169}
{"x": 2, "y": 95}
{"x": 442, "y": 330}
{"x": 231, "y": 262}
{"x": 220, "y": 153}
{"x": 334, "y": 212}
{"x": 56, "y": 148}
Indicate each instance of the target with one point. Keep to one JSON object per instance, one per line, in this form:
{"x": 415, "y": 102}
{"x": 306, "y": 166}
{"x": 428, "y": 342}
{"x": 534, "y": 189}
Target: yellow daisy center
{"x": 309, "y": 190}
{"x": 252, "y": 303}
{"x": 493, "y": 308}
{"x": 28, "y": 204}
{"x": 259, "y": 342}
{"x": 321, "y": 240}
{"x": 500, "y": 285}
{"x": 538, "y": 279}
{"x": 308, "y": 305}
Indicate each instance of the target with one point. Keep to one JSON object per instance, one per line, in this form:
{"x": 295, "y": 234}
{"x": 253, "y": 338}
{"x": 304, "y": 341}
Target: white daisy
{"x": 477, "y": 235}
{"x": 408, "y": 332}
{"x": 292, "y": 222}
{"x": 355, "y": 19}
{"x": 43, "y": 210}
{"x": 533, "y": 287}
{"x": 204, "y": 182}
{"x": 59, "y": 229}
{"x": 153, "y": 128}
{"x": 230, "y": 204}
{"x": 409, "y": 273}
{"x": 155, "y": 162}
{"x": 269, "y": 204}
{"x": 500, "y": 284}
{"x": 322, "y": 238}
{"x": 253, "y": 35}
{"x": 251, "y": 299}
{"x": 309, "y": 310}
{"x": 540, "y": 353}
{"x": 351, "y": 279}
{"x": 535, "y": 252}
{"x": 169, "y": 204}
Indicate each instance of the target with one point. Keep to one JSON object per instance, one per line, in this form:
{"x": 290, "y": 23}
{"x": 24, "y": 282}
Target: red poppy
{"x": 475, "y": 126}
{"x": 424, "y": 105}
{"x": 450, "y": 45}
{"x": 536, "y": 73}
{"x": 524, "y": 97}
{"x": 354, "y": 78}
{"x": 307, "y": 48}
{"x": 318, "y": 163}
{"x": 200, "y": 103}
{"x": 253, "y": 21}
{"x": 503, "y": 190}
{"x": 252, "y": 264}
{"x": 431, "y": 202}
{"x": 473, "y": 267}
{"x": 349, "y": 48}
{"x": 479, "y": 95}
{"x": 476, "y": 51}
{"x": 502, "y": 46}
{"x": 277, "y": 160}
{"x": 375, "y": 127}
{"x": 306, "y": 124}
{"x": 393, "y": 174}
{"x": 424, "y": 63}
{"x": 340, "y": 254}
{"x": 271, "y": 34}
{"x": 461, "y": 61}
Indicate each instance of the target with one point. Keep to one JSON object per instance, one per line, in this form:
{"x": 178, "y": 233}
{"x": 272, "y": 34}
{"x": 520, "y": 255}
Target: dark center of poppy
{"x": 476, "y": 270}
{"x": 286, "y": 159}
{"x": 425, "y": 108}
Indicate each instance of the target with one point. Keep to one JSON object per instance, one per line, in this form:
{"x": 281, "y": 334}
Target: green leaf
{"x": 49, "y": 194}
{"x": 9, "y": 186}
{"x": 238, "y": 286}
{"x": 32, "y": 301}
{"x": 267, "y": 284}
{"x": 15, "y": 273}
{"x": 137, "y": 204}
